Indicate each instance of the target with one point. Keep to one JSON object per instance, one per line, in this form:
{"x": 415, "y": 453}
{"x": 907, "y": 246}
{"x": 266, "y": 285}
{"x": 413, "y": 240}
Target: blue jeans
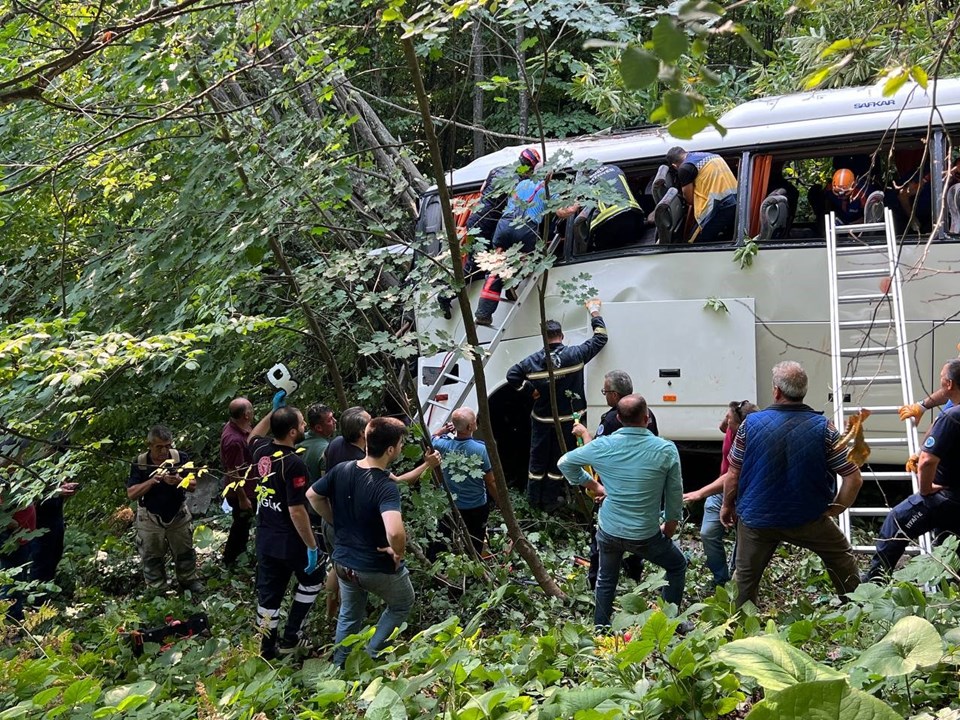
{"x": 659, "y": 549}
{"x": 712, "y": 534}
{"x": 395, "y": 590}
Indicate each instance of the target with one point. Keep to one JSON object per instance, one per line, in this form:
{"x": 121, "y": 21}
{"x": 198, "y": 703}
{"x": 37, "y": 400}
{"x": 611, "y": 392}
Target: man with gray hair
{"x": 782, "y": 485}
{"x": 159, "y": 483}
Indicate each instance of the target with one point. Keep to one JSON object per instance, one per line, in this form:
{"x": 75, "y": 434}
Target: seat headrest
{"x": 662, "y": 181}
{"x": 774, "y": 216}
{"x": 953, "y": 209}
{"x": 873, "y": 207}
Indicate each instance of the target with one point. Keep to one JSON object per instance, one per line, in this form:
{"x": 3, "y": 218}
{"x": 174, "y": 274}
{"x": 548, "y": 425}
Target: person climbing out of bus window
{"x": 519, "y": 225}
{"x": 608, "y": 225}
{"x": 488, "y": 211}
{"x": 546, "y": 489}
{"x": 846, "y": 196}
{"x": 709, "y": 189}
{"x": 712, "y": 531}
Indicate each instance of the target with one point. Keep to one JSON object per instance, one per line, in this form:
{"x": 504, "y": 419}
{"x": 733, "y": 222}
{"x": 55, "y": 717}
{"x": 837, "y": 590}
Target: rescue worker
{"x": 846, "y": 196}
{"x": 936, "y": 507}
{"x": 489, "y": 209}
{"x": 546, "y": 488}
{"x": 709, "y": 189}
{"x": 519, "y": 225}
{"x": 608, "y": 224}
{"x": 158, "y": 482}
{"x": 286, "y": 544}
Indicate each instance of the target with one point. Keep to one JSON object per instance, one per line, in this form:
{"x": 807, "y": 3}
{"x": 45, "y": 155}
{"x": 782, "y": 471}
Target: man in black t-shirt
{"x": 159, "y": 484}
{"x": 350, "y": 444}
{"x": 936, "y": 508}
{"x": 363, "y": 504}
{"x": 285, "y": 541}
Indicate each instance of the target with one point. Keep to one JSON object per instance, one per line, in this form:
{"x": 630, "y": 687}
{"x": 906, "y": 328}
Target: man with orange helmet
{"x": 846, "y": 196}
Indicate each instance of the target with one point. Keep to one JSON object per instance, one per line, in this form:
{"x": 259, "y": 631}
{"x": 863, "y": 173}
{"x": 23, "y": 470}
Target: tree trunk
{"x": 522, "y": 545}
{"x": 479, "y": 140}
{"x": 523, "y": 112}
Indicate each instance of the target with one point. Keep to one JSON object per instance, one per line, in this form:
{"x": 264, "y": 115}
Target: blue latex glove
{"x": 313, "y": 557}
{"x": 279, "y": 400}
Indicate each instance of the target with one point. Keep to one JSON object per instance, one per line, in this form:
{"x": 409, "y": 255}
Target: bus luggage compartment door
{"x": 688, "y": 358}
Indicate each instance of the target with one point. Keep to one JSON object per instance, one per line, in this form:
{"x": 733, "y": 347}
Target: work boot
{"x": 299, "y": 642}
{"x": 511, "y": 295}
{"x": 194, "y": 586}
{"x": 874, "y": 573}
{"x": 484, "y": 320}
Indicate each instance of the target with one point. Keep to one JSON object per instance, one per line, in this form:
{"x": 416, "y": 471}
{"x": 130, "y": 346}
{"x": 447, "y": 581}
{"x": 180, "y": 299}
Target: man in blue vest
{"x": 782, "y": 485}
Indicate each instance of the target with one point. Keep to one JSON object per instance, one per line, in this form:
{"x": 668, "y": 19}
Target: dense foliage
{"x": 189, "y": 191}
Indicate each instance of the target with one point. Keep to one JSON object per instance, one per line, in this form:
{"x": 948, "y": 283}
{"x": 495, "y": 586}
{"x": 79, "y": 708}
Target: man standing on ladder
{"x": 936, "y": 508}
{"x": 546, "y": 488}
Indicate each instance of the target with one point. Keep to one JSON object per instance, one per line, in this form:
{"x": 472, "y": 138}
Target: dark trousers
{"x": 918, "y": 514}
{"x": 659, "y": 549}
{"x": 632, "y": 564}
{"x": 476, "y": 521}
{"x": 273, "y": 577}
{"x": 506, "y": 237}
{"x": 755, "y": 548}
{"x": 617, "y": 232}
{"x": 546, "y": 487}
{"x": 719, "y": 227}
{"x": 239, "y": 534}
{"x": 47, "y": 550}
{"x": 18, "y": 557}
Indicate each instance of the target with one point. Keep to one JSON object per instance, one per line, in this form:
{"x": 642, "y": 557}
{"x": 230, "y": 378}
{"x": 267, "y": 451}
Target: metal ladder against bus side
{"x": 881, "y": 335}
{"x": 463, "y": 379}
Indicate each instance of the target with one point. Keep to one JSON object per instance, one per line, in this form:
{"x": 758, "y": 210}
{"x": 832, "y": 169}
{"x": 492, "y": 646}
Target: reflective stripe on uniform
{"x": 544, "y": 375}
{"x": 563, "y": 418}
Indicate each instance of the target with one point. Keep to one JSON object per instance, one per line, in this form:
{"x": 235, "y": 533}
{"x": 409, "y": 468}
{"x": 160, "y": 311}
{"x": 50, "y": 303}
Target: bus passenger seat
{"x": 669, "y": 216}
{"x": 774, "y": 216}
{"x": 873, "y": 208}
{"x": 662, "y": 182}
{"x": 953, "y": 209}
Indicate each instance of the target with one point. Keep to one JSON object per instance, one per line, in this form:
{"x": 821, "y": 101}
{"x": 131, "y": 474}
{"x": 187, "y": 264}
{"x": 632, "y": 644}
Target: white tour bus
{"x": 686, "y": 357}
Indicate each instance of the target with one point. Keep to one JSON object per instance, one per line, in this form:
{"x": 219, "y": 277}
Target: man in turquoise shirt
{"x": 639, "y": 471}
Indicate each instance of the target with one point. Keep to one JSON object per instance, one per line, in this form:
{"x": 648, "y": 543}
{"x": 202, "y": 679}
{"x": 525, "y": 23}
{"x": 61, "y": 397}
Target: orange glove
{"x": 914, "y": 412}
{"x": 913, "y": 463}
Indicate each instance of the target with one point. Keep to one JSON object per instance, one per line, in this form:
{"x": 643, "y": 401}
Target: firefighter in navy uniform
{"x": 546, "y": 487}
{"x": 608, "y": 225}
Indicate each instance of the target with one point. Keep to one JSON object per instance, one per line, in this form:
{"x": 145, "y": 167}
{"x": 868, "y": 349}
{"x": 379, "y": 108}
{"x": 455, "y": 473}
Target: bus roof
{"x": 775, "y": 120}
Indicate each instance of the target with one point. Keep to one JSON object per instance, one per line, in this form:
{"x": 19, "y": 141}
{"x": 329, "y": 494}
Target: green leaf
{"x": 42, "y": 698}
{"x": 774, "y": 664}
{"x": 568, "y": 703}
{"x": 669, "y": 41}
{"x": 638, "y": 68}
{"x": 894, "y": 82}
{"x": 678, "y": 104}
{"x": 835, "y": 47}
{"x": 686, "y": 127}
{"x": 387, "y": 705}
{"x": 822, "y": 700}
{"x": 114, "y": 696}
{"x": 814, "y": 81}
{"x": 911, "y": 644}
{"x": 920, "y": 75}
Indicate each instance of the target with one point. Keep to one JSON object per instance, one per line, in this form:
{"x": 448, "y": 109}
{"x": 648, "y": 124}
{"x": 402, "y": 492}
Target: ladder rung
{"x": 861, "y": 249}
{"x": 877, "y": 324}
{"x": 890, "y": 475}
{"x": 455, "y": 378}
{"x": 860, "y": 227}
{"x": 869, "y": 297}
{"x": 439, "y": 405}
{"x": 910, "y": 550}
{"x": 871, "y": 380}
{"x": 886, "y": 442}
{"x": 867, "y": 273}
{"x": 870, "y": 511}
{"x": 875, "y": 409}
{"x": 867, "y": 351}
